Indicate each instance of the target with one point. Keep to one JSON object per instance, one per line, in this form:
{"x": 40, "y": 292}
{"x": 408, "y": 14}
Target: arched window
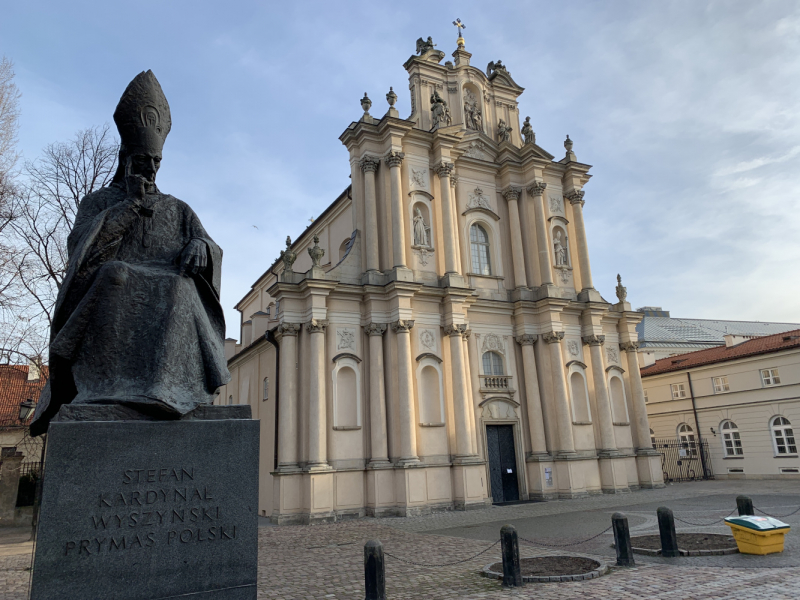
{"x": 343, "y": 248}
{"x": 783, "y": 436}
{"x": 492, "y": 364}
{"x": 686, "y": 438}
{"x": 266, "y": 388}
{"x": 731, "y": 442}
{"x": 479, "y": 243}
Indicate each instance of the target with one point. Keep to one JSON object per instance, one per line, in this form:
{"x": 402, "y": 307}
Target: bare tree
{"x": 44, "y": 208}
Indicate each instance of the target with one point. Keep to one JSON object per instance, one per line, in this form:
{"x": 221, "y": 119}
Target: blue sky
{"x": 688, "y": 112}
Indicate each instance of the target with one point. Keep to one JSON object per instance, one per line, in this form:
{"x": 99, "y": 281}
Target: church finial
{"x": 570, "y": 154}
{"x": 460, "y": 26}
{"x": 366, "y": 103}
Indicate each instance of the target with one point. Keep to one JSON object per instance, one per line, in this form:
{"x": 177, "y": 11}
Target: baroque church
{"x": 433, "y": 340}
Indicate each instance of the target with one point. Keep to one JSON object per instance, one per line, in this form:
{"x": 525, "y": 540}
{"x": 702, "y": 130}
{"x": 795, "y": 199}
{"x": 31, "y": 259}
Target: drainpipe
{"x": 697, "y": 425}
{"x": 270, "y": 335}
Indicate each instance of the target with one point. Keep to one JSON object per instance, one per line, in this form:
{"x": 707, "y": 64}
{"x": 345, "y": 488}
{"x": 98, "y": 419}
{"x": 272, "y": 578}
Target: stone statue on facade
{"x": 288, "y": 257}
{"x": 420, "y": 229}
{"x": 560, "y": 250}
{"x": 440, "y": 114}
{"x": 528, "y": 136}
{"x": 503, "y": 131}
{"x": 493, "y": 68}
{"x": 622, "y": 291}
{"x": 137, "y": 321}
{"x": 472, "y": 112}
{"x": 424, "y": 46}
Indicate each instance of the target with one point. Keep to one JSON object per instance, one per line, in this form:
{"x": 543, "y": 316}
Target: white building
{"x": 434, "y": 339}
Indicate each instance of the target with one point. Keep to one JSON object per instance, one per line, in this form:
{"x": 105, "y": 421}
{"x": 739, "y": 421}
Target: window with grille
{"x": 492, "y": 364}
{"x": 678, "y": 391}
{"x": 687, "y": 439}
{"x": 770, "y": 377}
{"x": 731, "y": 442}
{"x": 479, "y": 244}
{"x": 783, "y": 437}
{"x": 266, "y": 388}
{"x": 721, "y": 385}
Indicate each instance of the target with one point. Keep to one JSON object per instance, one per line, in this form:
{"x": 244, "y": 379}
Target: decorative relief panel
{"x": 574, "y": 348}
{"x": 555, "y": 205}
{"x": 418, "y": 178}
{"x": 478, "y": 199}
{"x": 346, "y": 338}
{"x": 612, "y": 354}
{"x": 427, "y": 340}
{"x": 493, "y": 342}
{"x": 498, "y": 409}
{"x": 477, "y": 149}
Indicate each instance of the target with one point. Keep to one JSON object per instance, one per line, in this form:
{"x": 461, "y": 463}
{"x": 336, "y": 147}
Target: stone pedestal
{"x": 469, "y": 486}
{"x": 613, "y": 474}
{"x": 380, "y": 491}
{"x": 541, "y": 478}
{"x": 648, "y": 464}
{"x": 149, "y": 509}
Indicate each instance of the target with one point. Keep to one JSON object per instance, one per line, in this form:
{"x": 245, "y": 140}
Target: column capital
{"x": 394, "y": 159}
{"x": 288, "y": 329}
{"x": 443, "y": 169}
{"x": 537, "y": 188}
{"x": 594, "y": 340}
{"x": 575, "y": 197}
{"x": 375, "y": 328}
{"x": 453, "y": 179}
{"x": 629, "y": 346}
{"x": 552, "y": 337}
{"x": 402, "y": 326}
{"x": 527, "y": 339}
{"x": 316, "y": 326}
{"x": 454, "y": 329}
{"x": 511, "y": 192}
{"x": 466, "y": 333}
{"x": 369, "y": 164}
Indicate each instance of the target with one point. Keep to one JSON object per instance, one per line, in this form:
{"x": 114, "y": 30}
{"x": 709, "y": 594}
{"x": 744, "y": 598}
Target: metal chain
{"x": 416, "y": 564}
{"x": 565, "y": 545}
{"x": 777, "y": 516}
{"x": 706, "y": 524}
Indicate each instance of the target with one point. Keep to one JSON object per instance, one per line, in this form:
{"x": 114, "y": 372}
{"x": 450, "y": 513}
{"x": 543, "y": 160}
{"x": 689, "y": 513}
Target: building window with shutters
{"x": 783, "y": 437}
{"x": 731, "y": 442}
{"x": 721, "y": 385}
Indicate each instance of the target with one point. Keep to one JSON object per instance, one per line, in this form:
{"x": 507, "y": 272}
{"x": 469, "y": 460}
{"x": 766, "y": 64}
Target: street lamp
{"x": 25, "y": 409}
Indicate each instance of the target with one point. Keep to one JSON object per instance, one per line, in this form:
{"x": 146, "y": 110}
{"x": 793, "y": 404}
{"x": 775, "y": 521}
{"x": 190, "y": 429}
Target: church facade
{"x": 433, "y": 341}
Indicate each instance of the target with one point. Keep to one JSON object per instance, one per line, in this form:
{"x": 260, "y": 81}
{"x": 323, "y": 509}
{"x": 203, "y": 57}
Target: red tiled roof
{"x": 759, "y": 345}
{"x": 14, "y": 389}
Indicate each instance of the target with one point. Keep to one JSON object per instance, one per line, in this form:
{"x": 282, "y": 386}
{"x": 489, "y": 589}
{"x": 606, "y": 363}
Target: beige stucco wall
{"x": 749, "y": 404}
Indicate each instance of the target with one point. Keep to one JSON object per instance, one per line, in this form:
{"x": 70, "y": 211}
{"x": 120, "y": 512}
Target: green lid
{"x": 758, "y": 523}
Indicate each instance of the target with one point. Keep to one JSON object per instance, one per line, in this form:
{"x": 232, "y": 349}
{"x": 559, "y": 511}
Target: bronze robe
{"x": 127, "y": 326}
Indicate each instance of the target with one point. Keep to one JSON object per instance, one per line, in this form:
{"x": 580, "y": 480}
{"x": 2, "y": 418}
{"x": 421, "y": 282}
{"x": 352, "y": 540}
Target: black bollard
{"x": 745, "y": 506}
{"x": 622, "y": 540}
{"x": 374, "y": 573}
{"x": 512, "y": 577}
{"x": 666, "y": 527}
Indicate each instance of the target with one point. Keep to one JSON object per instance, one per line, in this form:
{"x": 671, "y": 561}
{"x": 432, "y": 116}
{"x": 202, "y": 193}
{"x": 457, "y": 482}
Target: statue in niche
{"x": 528, "y": 136}
{"x": 424, "y": 46}
{"x": 560, "y": 250}
{"x": 137, "y": 321}
{"x": 420, "y": 229}
{"x": 503, "y": 131}
{"x": 472, "y": 112}
{"x": 440, "y": 114}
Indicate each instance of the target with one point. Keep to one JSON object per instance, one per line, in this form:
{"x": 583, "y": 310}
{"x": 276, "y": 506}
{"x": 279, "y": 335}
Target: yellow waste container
{"x": 758, "y": 535}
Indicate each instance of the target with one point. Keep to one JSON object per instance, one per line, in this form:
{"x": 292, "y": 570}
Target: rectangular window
{"x": 770, "y": 377}
{"x": 678, "y": 391}
{"x": 733, "y": 444}
{"x": 721, "y": 385}
{"x": 646, "y": 399}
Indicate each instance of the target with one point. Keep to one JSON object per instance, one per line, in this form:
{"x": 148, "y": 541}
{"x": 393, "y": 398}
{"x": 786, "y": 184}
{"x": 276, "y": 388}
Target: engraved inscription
{"x": 156, "y": 506}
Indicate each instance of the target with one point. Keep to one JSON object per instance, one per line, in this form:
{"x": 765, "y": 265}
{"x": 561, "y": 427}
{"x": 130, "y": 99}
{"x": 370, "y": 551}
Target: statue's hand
{"x": 194, "y": 258}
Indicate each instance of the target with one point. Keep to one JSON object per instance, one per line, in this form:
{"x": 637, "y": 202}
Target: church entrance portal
{"x": 502, "y": 463}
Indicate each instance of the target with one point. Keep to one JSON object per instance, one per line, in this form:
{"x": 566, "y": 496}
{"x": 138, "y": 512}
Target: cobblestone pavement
{"x": 326, "y": 561}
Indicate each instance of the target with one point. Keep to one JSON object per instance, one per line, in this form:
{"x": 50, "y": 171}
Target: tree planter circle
{"x": 546, "y": 569}
{"x": 689, "y": 544}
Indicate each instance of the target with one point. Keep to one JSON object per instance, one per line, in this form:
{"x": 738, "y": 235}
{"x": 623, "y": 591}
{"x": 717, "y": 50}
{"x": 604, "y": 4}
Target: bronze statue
{"x": 137, "y": 321}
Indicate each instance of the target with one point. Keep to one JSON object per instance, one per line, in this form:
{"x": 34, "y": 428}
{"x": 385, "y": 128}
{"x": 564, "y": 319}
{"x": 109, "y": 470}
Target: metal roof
{"x": 703, "y": 331}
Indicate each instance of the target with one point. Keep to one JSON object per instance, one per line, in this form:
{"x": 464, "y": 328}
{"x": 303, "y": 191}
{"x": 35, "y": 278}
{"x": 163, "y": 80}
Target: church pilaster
{"x": 642, "y": 428}
{"x": 576, "y": 200}
{"x": 379, "y": 455}
{"x": 461, "y": 406}
{"x": 532, "y": 396}
{"x": 408, "y": 430}
{"x": 369, "y": 165}
{"x": 288, "y": 413}
{"x": 444, "y": 169}
{"x": 566, "y": 441}
{"x": 512, "y": 194}
{"x": 602, "y": 402}
{"x": 542, "y": 245}
{"x": 393, "y": 160}
{"x": 317, "y": 405}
